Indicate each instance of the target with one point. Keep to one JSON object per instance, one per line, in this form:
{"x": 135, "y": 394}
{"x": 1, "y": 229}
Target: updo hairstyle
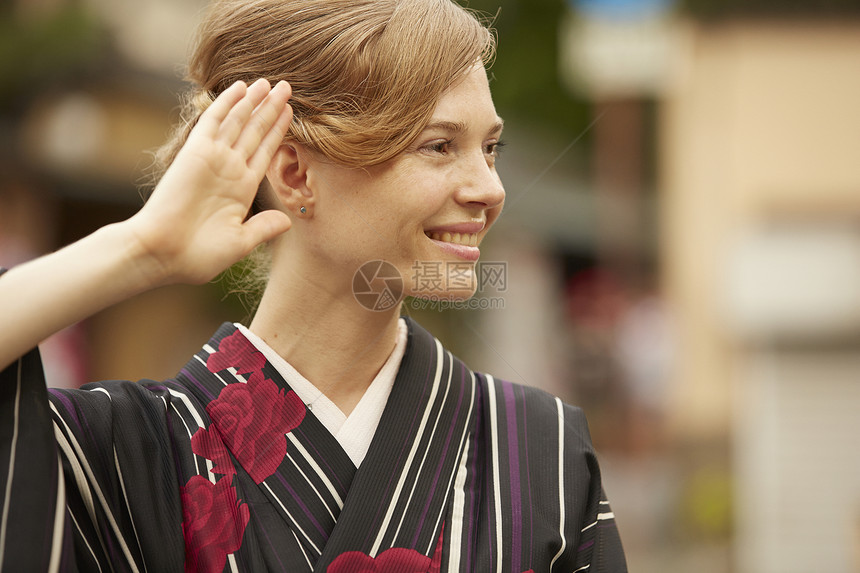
{"x": 366, "y": 74}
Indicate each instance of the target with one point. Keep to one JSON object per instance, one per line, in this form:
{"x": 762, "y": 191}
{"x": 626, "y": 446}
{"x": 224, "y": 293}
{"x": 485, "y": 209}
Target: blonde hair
{"x": 366, "y": 77}
{"x": 366, "y": 74}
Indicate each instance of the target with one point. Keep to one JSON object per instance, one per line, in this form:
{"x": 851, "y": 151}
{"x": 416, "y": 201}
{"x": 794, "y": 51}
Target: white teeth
{"x": 466, "y": 239}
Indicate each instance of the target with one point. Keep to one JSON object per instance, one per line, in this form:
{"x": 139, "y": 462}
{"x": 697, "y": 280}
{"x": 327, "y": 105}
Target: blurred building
{"x": 760, "y": 156}
{"x": 758, "y": 191}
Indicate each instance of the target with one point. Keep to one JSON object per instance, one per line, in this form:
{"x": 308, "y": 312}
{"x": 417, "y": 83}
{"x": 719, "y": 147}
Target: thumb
{"x": 265, "y": 226}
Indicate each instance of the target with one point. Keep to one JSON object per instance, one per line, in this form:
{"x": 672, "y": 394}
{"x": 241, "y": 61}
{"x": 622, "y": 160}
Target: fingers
{"x": 237, "y": 118}
{"x": 211, "y": 119}
{"x": 268, "y": 121}
{"x": 272, "y": 140}
{"x": 251, "y": 119}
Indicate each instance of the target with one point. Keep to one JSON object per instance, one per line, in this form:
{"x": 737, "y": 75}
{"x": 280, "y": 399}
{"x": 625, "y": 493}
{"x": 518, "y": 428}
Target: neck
{"x": 324, "y": 333}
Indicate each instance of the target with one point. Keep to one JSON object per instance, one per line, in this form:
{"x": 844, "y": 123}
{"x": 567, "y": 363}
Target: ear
{"x": 288, "y": 178}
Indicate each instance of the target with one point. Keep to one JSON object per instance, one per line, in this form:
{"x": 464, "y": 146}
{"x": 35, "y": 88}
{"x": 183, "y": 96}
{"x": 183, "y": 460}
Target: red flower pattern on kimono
{"x": 213, "y": 523}
{"x": 395, "y": 559}
{"x": 237, "y": 352}
{"x": 252, "y": 419}
{"x": 208, "y": 443}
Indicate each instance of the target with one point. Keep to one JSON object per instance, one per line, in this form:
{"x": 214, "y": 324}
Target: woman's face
{"x": 427, "y": 210}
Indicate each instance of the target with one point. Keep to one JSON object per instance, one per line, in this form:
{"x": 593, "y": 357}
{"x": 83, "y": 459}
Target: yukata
{"x": 224, "y": 468}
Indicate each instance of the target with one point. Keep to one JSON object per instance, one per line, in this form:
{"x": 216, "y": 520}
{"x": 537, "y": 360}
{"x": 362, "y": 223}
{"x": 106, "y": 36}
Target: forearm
{"x": 50, "y": 293}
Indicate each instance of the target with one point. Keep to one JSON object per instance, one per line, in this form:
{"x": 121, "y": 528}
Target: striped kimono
{"x": 223, "y": 468}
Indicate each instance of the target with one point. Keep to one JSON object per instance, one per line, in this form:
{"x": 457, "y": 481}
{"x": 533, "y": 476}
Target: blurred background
{"x": 680, "y": 244}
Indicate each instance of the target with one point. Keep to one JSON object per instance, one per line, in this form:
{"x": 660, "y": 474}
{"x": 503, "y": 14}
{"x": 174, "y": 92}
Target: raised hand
{"x": 194, "y": 226}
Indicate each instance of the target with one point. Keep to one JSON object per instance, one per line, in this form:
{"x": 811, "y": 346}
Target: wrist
{"x": 139, "y": 255}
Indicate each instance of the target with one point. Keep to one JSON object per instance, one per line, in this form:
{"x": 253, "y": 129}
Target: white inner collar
{"x": 354, "y": 432}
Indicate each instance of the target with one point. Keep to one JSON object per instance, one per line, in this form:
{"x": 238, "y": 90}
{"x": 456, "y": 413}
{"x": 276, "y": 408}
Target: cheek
{"x": 382, "y": 218}
{"x": 345, "y": 240}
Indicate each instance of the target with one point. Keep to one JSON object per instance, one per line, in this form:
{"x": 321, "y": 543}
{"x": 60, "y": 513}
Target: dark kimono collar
{"x": 344, "y": 516}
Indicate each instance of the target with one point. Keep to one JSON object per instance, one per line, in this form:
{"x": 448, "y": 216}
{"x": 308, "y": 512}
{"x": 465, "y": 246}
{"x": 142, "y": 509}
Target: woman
{"x": 325, "y": 436}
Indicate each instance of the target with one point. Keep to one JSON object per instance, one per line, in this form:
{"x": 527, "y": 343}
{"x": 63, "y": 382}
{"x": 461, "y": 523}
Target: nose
{"x": 480, "y": 184}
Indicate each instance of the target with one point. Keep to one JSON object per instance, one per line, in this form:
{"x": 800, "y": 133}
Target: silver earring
{"x": 303, "y": 210}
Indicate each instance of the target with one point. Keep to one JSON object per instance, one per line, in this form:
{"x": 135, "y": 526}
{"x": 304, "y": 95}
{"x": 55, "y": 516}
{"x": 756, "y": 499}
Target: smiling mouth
{"x": 465, "y": 239}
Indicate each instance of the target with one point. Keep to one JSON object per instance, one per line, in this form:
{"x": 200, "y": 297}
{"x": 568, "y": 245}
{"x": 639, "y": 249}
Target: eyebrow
{"x": 460, "y": 127}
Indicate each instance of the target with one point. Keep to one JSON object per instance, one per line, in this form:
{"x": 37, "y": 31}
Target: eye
{"x": 494, "y": 148}
{"x": 442, "y": 147}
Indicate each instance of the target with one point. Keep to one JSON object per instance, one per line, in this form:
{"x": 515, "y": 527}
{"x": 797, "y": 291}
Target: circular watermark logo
{"x": 377, "y": 286}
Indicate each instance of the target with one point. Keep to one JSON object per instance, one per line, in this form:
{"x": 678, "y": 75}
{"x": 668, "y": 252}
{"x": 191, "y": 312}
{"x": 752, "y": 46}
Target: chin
{"x": 449, "y": 295}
